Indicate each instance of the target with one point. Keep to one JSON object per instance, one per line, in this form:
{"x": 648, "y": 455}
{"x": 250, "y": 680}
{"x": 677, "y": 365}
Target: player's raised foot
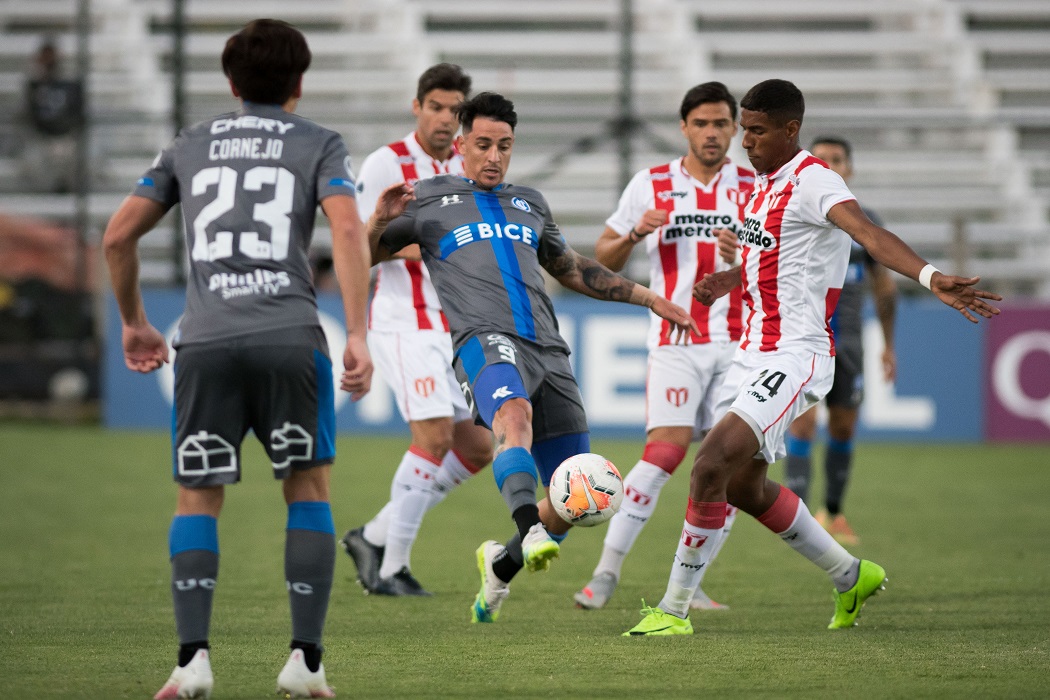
{"x": 493, "y": 591}
{"x": 657, "y": 623}
{"x": 596, "y": 593}
{"x": 538, "y": 548}
{"x": 296, "y": 680}
{"x": 194, "y": 680}
{"x": 367, "y": 557}
{"x": 401, "y": 583}
{"x": 870, "y": 580}
{"x": 842, "y": 532}
{"x": 702, "y": 601}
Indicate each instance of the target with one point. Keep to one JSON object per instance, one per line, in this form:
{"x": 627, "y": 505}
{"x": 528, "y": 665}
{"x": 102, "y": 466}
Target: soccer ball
{"x": 586, "y": 490}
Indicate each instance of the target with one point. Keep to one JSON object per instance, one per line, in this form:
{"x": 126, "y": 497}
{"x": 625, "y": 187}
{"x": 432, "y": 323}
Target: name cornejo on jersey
{"x": 246, "y": 148}
{"x": 480, "y": 231}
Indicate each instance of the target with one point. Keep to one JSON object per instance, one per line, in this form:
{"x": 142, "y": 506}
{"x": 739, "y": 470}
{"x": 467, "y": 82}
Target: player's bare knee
{"x": 473, "y": 444}
{"x": 307, "y": 484}
{"x": 512, "y": 424}
{"x": 842, "y": 425}
{"x": 748, "y": 493}
{"x": 434, "y": 436}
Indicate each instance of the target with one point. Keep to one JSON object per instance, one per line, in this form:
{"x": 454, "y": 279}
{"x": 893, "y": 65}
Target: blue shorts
{"x": 493, "y": 368}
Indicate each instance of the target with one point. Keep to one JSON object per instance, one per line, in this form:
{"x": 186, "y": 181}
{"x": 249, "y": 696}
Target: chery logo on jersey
{"x": 250, "y": 121}
{"x": 481, "y": 231}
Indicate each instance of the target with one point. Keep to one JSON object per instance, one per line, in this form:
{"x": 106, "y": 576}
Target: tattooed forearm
{"x": 603, "y": 283}
{"x": 562, "y": 265}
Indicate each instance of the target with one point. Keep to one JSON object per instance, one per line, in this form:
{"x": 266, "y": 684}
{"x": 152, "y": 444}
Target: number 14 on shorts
{"x": 770, "y": 381}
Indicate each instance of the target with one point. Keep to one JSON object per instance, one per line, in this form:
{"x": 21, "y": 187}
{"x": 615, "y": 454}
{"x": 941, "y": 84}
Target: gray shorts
{"x": 493, "y": 368}
{"x": 279, "y": 384}
{"x": 847, "y": 391}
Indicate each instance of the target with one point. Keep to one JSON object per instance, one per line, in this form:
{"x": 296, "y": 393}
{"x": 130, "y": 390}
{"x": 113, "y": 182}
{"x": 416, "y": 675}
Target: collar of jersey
{"x": 497, "y": 188}
{"x": 260, "y": 107}
{"x": 788, "y": 166}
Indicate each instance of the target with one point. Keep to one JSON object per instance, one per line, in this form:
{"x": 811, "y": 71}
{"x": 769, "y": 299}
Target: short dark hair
{"x": 707, "y": 93}
{"x": 265, "y": 60}
{"x": 443, "y": 76}
{"x": 779, "y": 99}
{"x": 834, "y": 141}
{"x": 490, "y": 105}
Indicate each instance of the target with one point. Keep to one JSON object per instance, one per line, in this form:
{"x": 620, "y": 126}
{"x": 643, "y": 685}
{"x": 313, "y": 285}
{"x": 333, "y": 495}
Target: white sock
{"x": 690, "y": 559}
{"x": 731, "y": 512}
{"x": 414, "y": 489}
{"x": 451, "y": 474}
{"x": 808, "y": 538}
{"x": 642, "y": 487}
{"x": 376, "y": 528}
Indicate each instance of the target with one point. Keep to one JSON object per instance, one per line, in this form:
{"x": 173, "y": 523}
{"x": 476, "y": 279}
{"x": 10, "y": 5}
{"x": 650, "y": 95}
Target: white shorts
{"x": 417, "y": 366}
{"x": 683, "y": 385}
{"x": 769, "y": 390}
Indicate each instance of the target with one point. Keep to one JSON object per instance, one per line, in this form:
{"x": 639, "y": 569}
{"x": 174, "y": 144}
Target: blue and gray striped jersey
{"x": 485, "y": 250}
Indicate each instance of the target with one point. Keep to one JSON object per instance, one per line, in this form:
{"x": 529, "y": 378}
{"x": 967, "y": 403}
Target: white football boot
{"x": 298, "y": 681}
{"x": 194, "y": 680}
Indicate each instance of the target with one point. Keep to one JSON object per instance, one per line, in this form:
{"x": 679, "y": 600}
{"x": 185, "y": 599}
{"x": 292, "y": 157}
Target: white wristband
{"x": 926, "y": 274}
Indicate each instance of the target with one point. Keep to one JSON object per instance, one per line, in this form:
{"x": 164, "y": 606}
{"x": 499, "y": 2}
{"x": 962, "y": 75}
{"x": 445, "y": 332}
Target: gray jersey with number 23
{"x": 249, "y": 182}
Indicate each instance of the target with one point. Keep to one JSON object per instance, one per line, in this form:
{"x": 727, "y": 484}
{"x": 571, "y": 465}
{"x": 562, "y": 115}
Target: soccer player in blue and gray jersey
{"x": 485, "y": 243}
{"x": 251, "y": 353}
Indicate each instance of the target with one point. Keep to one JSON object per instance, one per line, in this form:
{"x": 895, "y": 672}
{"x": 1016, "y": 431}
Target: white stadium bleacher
{"x": 946, "y": 101}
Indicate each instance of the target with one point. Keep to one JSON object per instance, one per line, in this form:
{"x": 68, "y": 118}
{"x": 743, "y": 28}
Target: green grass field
{"x": 963, "y": 531}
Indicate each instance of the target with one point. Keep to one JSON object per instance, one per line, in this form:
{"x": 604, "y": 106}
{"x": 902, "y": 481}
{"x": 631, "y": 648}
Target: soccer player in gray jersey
{"x": 251, "y": 353}
{"x": 847, "y": 392}
{"x": 485, "y": 243}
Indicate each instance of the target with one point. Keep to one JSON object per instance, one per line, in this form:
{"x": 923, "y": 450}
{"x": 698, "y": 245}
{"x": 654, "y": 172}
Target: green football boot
{"x": 538, "y": 548}
{"x": 493, "y": 591}
{"x": 870, "y": 580}
{"x": 657, "y": 623}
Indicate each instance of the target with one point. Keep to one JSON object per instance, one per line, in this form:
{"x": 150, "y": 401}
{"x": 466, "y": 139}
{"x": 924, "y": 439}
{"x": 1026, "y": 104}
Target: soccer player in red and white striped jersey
{"x": 676, "y": 210}
{"x": 409, "y": 339}
{"x": 796, "y": 240}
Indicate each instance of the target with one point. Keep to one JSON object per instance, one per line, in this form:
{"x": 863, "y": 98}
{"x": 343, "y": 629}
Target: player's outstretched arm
{"x": 716, "y": 284}
{"x": 590, "y": 277}
{"x": 957, "y": 292}
{"x": 390, "y": 205}
{"x": 145, "y": 349}
{"x": 352, "y": 260}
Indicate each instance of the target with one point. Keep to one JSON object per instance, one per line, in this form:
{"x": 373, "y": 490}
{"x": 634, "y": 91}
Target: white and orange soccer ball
{"x": 586, "y": 489}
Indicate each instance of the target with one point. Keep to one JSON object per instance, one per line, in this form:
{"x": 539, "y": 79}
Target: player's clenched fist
{"x": 715, "y": 285}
